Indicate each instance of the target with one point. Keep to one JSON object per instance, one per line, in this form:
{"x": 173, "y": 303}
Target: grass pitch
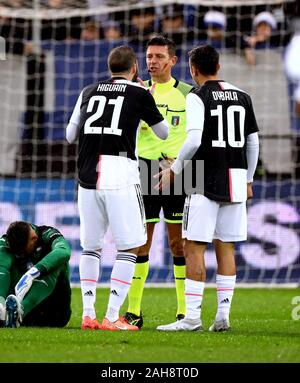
{"x": 262, "y": 331}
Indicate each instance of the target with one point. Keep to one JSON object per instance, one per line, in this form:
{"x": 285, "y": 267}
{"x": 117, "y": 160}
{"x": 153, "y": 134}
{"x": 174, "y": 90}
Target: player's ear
{"x": 193, "y": 70}
{"x": 174, "y": 60}
{"x": 134, "y": 68}
{"x": 218, "y": 67}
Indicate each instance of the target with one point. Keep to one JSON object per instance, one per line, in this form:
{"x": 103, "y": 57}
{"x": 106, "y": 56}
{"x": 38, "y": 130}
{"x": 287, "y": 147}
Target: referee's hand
{"x": 166, "y": 177}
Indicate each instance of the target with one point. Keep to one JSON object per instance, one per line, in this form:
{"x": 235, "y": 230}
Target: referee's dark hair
{"x": 162, "y": 41}
{"x": 17, "y": 236}
{"x": 121, "y": 59}
{"x": 205, "y": 58}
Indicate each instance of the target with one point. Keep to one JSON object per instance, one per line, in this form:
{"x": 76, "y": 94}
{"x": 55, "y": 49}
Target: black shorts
{"x": 171, "y": 204}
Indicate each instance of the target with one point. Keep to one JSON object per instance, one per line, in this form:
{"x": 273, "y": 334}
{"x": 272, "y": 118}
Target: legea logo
{"x": 2, "y": 48}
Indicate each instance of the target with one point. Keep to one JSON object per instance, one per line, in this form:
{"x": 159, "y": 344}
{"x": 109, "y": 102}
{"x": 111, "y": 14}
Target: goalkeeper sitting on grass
{"x": 34, "y": 277}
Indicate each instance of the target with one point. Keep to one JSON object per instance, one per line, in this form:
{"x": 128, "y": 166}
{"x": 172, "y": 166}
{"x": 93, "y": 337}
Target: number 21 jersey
{"x": 110, "y": 114}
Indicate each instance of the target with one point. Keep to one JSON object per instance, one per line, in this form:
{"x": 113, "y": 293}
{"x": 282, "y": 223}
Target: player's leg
{"x": 152, "y": 206}
{"x": 124, "y": 205}
{"x": 54, "y": 310}
{"x": 28, "y": 312}
{"x": 197, "y": 232}
{"x": 173, "y": 207}
{"x": 231, "y": 227}
{"x": 40, "y": 290}
{"x": 93, "y": 225}
{"x": 135, "y": 295}
{"x": 194, "y": 287}
{"x": 176, "y": 248}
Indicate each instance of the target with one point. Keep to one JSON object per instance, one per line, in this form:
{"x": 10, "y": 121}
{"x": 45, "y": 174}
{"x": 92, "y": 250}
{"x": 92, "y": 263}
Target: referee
{"x": 169, "y": 95}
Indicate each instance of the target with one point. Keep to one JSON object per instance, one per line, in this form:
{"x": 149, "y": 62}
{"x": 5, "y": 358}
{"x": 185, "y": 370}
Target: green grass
{"x": 262, "y": 331}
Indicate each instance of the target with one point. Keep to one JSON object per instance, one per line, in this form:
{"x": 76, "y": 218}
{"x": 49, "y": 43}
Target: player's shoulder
{"x": 131, "y": 84}
{"x": 5, "y": 253}
{"x": 221, "y": 90}
{"x": 183, "y": 87}
{"x": 88, "y": 91}
{"x": 90, "y": 87}
{"x": 3, "y": 243}
{"x": 243, "y": 96}
{"x": 228, "y": 86}
{"x": 48, "y": 233}
{"x": 134, "y": 89}
{"x": 200, "y": 91}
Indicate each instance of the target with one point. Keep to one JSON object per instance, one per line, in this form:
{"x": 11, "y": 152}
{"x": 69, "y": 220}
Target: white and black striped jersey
{"x": 106, "y": 119}
{"x": 226, "y": 117}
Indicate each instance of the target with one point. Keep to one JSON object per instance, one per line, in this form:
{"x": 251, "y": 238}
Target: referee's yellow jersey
{"x": 170, "y": 100}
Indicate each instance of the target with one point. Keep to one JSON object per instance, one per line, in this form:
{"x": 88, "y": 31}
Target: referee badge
{"x": 175, "y": 120}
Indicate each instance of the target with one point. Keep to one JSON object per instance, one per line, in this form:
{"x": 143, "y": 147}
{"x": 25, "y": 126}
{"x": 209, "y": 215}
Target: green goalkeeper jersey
{"x": 52, "y": 253}
{"x": 170, "y": 100}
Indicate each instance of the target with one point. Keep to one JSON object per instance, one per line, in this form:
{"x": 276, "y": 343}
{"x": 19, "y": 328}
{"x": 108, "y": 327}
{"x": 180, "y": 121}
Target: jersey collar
{"x": 112, "y": 79}
{"x": 165, "y": 86}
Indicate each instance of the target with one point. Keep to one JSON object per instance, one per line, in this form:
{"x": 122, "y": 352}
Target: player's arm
{"x": 252, "y": 146}
{"x": 73, "y": 126}
{"x": 152, "y": 116}
{"x": 60, "y": 254}
{"x": 60, "y": 251}
{"x": 252, "y": 153}
{"x": 6, "y": 260}
{"x": 194, "y": 127}
{"x": 161, "y": 129}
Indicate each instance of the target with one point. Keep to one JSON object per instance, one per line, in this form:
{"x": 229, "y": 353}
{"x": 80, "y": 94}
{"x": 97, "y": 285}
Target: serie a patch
{"x": 175, "y": 120}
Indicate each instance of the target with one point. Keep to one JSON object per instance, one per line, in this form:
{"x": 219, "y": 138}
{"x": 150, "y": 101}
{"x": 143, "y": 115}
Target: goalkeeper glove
{"x": 24, "y": 284}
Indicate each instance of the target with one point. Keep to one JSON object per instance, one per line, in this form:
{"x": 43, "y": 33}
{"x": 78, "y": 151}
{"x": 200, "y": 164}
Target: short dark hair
{"x": 121, "y": 59}
{"x": 205, "y": 58}
{"x": 17, "y": 236}
{"x": 162, "y": 41}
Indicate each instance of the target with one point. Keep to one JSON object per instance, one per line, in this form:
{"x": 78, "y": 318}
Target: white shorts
{"x": 121, "y": 209}
{"x": 205, "y": 220}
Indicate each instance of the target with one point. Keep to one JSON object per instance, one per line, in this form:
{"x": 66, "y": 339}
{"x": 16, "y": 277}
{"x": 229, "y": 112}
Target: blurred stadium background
{"x": 51, "y": 49}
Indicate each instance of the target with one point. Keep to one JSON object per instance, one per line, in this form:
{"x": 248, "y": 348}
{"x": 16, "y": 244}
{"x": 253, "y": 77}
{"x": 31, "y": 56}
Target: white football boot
{"x": 182, "y": 325}
{"x": 219, "y": 326}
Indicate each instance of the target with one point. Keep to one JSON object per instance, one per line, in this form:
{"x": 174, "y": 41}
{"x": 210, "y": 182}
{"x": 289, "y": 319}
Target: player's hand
{"x": 249, "y": 190}
{"x": 166, "y": 163}
{"x": 151, "y": 89}
{"x": 166, "y": 177}
{"x": 24, "y": 284}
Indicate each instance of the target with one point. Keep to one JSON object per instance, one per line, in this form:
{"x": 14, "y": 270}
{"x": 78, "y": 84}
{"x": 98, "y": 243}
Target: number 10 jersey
{"x": 226, "y": 117}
